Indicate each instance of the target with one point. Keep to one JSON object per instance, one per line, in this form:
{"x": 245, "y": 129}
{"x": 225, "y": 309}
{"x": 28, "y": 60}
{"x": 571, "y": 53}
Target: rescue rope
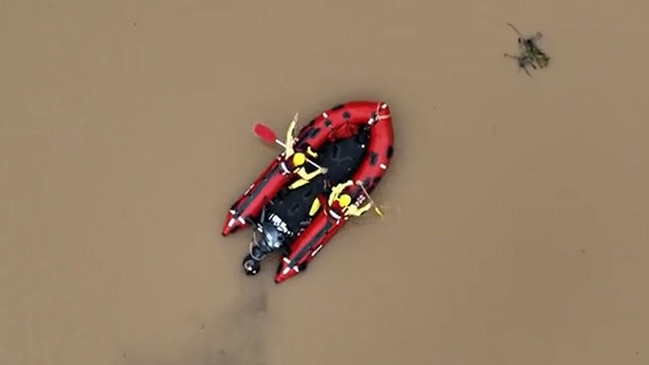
{"x": 253, "y": 244}
{"x": 378, "y": 111}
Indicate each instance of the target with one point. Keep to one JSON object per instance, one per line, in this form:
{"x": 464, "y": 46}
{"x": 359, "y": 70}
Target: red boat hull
{"x": 339, "y": 122}
{"x": 250, "y": 204}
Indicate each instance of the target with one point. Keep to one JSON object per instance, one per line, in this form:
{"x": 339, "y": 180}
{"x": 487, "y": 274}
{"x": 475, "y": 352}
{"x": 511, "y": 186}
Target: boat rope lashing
{"x": 378, "y": 115}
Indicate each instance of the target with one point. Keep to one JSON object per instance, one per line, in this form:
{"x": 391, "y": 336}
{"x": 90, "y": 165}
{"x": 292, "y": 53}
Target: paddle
{"x": 376, "y": 208}
{"x": 265, "y": 133}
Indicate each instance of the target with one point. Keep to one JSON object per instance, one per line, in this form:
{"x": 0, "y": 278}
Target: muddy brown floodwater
{"x": 516, "y": 208}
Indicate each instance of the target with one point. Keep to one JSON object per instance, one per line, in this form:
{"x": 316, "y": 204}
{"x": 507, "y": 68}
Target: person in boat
{"x": 295, "y": 161}
{"x": 340, "y": 204}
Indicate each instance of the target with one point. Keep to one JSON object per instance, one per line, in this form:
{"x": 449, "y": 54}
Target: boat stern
{"x": 232, "y": 224}
{"x": 285, "y": 272}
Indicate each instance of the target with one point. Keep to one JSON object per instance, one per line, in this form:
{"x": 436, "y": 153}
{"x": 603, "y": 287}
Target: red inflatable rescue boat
{"x": 354, "y": 141}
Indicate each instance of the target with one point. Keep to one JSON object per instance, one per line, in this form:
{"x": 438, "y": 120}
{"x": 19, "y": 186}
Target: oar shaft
{"x": 378, "y": 211}
{"x": 307, "y": 160}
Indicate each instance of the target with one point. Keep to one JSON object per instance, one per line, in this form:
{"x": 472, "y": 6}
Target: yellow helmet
{"x": 344, "y": 200}
{"x": 299, "y": 159}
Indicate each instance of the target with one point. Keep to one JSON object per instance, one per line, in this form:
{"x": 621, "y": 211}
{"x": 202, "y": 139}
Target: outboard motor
{"x": 271, "y": 240}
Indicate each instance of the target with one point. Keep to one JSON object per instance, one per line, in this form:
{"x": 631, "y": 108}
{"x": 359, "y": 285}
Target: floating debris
{"x": 530, "y": 54}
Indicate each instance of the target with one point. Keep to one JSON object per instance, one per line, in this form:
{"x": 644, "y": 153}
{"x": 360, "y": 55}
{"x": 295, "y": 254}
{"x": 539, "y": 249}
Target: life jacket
{"x": 284, "y": 167}
{"x": 287, "y": 166}
{"x": 335, "y": 212}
